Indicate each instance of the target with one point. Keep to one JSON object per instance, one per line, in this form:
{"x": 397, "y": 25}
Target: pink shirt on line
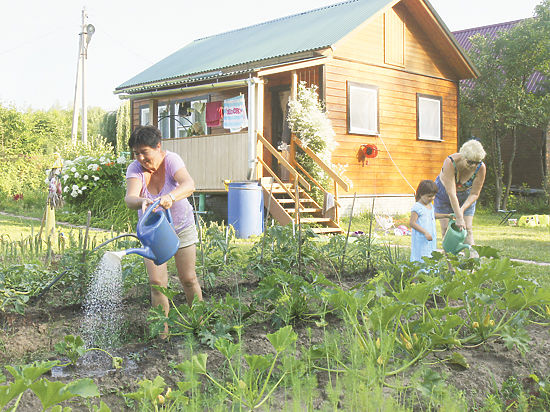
{"x": 181, "y": 210}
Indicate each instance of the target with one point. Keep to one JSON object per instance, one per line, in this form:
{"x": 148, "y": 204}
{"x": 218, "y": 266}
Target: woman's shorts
{"x": 188, "y": 236}
{"x": 442, "y": 204}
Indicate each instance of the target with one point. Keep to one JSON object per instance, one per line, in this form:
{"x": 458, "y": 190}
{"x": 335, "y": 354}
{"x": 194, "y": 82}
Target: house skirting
{"x": 383, "y": 204}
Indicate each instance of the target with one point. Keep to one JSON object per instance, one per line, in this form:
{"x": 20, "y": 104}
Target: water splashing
{"x": 102, "y": 321}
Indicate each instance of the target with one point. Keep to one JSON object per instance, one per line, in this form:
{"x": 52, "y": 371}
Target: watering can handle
{"x": 152, "y": 206}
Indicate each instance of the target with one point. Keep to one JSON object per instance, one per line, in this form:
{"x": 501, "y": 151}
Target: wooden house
{"x": 388, "y": 73}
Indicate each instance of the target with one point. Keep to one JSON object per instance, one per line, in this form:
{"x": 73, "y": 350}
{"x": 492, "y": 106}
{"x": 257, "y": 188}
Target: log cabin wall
{"x": 363, "y": 57}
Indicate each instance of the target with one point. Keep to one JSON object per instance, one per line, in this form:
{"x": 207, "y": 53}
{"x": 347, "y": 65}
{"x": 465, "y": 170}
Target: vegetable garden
{"x": 286, "y": 324}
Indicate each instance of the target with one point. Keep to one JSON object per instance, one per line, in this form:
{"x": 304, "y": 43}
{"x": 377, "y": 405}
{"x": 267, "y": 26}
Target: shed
{"x": 388, "y": 73}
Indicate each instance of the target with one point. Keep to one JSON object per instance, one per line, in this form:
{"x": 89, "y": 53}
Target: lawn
{"x": 514, "y": 242}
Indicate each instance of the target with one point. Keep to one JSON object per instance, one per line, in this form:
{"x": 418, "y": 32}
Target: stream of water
{"x": 103, "y": 315}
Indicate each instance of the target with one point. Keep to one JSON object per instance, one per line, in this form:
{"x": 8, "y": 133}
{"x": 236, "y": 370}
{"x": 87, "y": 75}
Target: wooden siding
{"x": 416, "y": 159}
{"x": 212, "y": 159}
{"x": 394, "y": 39}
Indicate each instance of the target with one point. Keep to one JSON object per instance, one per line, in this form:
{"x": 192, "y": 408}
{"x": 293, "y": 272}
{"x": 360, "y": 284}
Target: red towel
{"x": 214, "y": 113}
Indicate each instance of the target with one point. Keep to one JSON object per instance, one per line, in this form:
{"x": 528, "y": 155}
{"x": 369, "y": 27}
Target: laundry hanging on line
{"x": 214, "y": 114}
{"x": 234, "y": 114}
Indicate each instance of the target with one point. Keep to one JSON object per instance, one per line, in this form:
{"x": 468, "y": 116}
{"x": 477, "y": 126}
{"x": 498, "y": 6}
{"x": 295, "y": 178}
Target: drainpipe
{"x": 251, "y": 128}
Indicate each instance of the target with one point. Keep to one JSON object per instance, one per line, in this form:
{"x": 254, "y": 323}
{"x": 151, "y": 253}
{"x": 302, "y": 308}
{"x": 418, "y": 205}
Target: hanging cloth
{"x": 234, "y": 114}
{"x": 214, "y": 113}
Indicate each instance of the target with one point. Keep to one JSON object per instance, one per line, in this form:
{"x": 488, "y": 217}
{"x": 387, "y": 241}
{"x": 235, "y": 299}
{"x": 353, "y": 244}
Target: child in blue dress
{"x": 422, "y": 222}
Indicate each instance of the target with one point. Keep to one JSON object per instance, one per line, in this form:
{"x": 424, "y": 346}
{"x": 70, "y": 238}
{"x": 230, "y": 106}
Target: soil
{"x": 25, "y": 338}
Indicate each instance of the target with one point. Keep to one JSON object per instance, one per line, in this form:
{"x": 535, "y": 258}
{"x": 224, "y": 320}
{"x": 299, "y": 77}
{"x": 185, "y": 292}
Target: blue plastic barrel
{"x": 245, "y": 208}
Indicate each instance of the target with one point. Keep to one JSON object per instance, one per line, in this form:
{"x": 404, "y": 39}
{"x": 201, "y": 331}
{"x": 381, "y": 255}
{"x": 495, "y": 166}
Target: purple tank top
{"x": 181, "y": 210}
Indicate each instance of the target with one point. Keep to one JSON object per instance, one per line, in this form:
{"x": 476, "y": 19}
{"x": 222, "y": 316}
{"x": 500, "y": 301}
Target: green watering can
{"x": 453, "y": 242}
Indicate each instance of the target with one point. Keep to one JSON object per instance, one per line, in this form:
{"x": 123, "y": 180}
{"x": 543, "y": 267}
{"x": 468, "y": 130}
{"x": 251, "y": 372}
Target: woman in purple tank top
{"x": 159, "y": 174}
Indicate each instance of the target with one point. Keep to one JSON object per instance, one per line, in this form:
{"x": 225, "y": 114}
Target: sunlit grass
{"x": 514, "y": 242}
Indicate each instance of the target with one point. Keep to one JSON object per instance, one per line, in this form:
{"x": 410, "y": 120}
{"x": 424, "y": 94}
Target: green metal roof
{"x": 312, "y": 30}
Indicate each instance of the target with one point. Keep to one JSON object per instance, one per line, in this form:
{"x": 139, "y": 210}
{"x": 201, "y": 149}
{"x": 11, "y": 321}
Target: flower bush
{"x": 84, "y": 176}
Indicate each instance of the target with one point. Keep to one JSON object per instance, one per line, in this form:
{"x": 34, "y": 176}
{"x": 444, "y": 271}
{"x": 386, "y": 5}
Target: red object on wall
{"x": 367, "y": 151}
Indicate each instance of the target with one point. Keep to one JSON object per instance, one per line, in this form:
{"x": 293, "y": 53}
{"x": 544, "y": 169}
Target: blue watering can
{"x": 156, "y": 233}
{"x": 453, "y": 242}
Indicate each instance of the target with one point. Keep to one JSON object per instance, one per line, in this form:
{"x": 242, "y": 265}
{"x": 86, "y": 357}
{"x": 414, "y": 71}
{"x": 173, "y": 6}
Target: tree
{"x": 500, "y": 101}
{"x": 123, "y": 127}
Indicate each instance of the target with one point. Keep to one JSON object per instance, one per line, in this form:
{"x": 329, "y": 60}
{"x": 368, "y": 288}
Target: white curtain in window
{"x": 429, "y": 118}
{"x": 363, "y": 109}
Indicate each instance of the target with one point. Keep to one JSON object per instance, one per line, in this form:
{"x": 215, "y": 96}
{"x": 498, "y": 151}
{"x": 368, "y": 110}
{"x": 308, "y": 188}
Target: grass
{"x": 514, "y": 242}
{"x": 18, "y": 228}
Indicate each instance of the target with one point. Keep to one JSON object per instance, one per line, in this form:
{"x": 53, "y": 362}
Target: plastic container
{"x": 245, "y": 208}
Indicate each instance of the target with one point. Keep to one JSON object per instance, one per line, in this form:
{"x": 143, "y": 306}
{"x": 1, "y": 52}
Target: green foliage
{"x": 499, "y": 101}
{"x": 253, "y": 386}
{"x": 123, "y": 127}
{"x": 50, "y": 393}
{"x": 73, "y": 347}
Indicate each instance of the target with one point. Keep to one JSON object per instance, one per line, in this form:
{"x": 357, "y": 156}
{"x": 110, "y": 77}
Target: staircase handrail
{"x": 284, "y": 162}
{"x": 335, "y": 176}
{"x": 315, "y": 182}
{"x": 272, "y": 173}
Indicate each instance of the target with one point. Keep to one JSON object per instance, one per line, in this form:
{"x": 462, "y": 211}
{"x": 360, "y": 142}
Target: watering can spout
{"x": 145, "y": 252}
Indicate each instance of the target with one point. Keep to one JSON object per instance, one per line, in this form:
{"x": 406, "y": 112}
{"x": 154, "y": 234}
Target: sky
{"x": 39, "y": 39}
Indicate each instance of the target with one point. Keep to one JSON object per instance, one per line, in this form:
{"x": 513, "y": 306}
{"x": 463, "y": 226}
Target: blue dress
{"x": 420, "y": 246}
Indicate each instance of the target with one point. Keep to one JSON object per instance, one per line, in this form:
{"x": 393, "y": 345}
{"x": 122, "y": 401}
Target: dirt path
{"x": 36, "y": 219}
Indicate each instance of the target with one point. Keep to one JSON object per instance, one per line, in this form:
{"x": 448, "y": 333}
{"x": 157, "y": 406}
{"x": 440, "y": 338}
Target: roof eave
{"x": 222, "y": 72}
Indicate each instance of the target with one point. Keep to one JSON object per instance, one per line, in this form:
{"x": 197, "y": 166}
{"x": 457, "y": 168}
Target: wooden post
{"x": 294, "y": 85}
{"x": 297, "y": 200}
{"x": 154, "y": 112}
{"x": 336, "y": 214}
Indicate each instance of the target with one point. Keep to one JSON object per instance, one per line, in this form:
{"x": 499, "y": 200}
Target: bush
{"x": 98, "y": 185}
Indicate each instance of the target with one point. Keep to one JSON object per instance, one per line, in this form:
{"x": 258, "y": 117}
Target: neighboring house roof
{"x": 492, "y": 31}
{"x": 309, "y": 31}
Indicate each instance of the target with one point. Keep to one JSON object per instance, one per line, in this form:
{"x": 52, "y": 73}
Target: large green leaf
{"x": 50, "y": 393}
{"x": 283, "y": 338}
{"x": 11, "y": 391}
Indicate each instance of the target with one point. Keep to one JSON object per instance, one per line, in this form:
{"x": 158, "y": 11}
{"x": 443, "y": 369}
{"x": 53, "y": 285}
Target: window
{"x": 428, "y": 117}
{"x": 362, "y": 109}
{"x": 144, "y": 118}
{"x": 164, "y": 120}
{"x": 190, "y": 118}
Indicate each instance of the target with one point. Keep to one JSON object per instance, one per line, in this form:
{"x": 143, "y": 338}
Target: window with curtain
{"x": 428, "y": 117}
{"x": 362, "y": 109}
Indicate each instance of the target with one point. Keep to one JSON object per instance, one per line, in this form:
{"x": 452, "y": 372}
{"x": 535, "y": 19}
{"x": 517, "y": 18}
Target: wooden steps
{"x": 283, "y": 208}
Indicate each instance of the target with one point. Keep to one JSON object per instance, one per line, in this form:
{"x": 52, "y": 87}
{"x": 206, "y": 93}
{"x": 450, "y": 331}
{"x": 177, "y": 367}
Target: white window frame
{"x": 164, "y": 122}
{"x": 429, "y": 117}
{"x": 363, "y": 109}
{"x": 144, "y": 116}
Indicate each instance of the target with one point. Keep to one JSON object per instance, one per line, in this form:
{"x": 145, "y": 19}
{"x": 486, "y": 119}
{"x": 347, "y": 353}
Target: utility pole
{"x": 86, "y": 33}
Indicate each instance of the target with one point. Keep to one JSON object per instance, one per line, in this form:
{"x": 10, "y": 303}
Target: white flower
{"x": 75, "y": 187}
{"x": 66, "y": 189}
{"x": 95, "y": 178}
{"x": 48, "y": 172}
{"x": 76, "y": 175}
{"x": 65, "y": 177}
{"x": 73, "y": 169}
{"x": 85, "y": 177}
{"x": 46, "y": 180}
{"x": 74, "y": 194}
{"x": 93, "y": 166}
{"x": 84, "y": 187}
{"x": 121, "y": 160}
{"x": 102, "y": 159}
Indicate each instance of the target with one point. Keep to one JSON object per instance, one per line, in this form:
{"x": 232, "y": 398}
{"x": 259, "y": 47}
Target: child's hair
{"x": 425, "y": 187}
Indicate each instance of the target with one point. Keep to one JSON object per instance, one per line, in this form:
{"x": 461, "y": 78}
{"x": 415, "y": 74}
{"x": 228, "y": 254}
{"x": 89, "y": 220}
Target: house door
{"x": 280, "y": 129}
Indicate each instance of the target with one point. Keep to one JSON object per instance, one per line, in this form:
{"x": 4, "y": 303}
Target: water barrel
{"x": 245, "y": 208}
